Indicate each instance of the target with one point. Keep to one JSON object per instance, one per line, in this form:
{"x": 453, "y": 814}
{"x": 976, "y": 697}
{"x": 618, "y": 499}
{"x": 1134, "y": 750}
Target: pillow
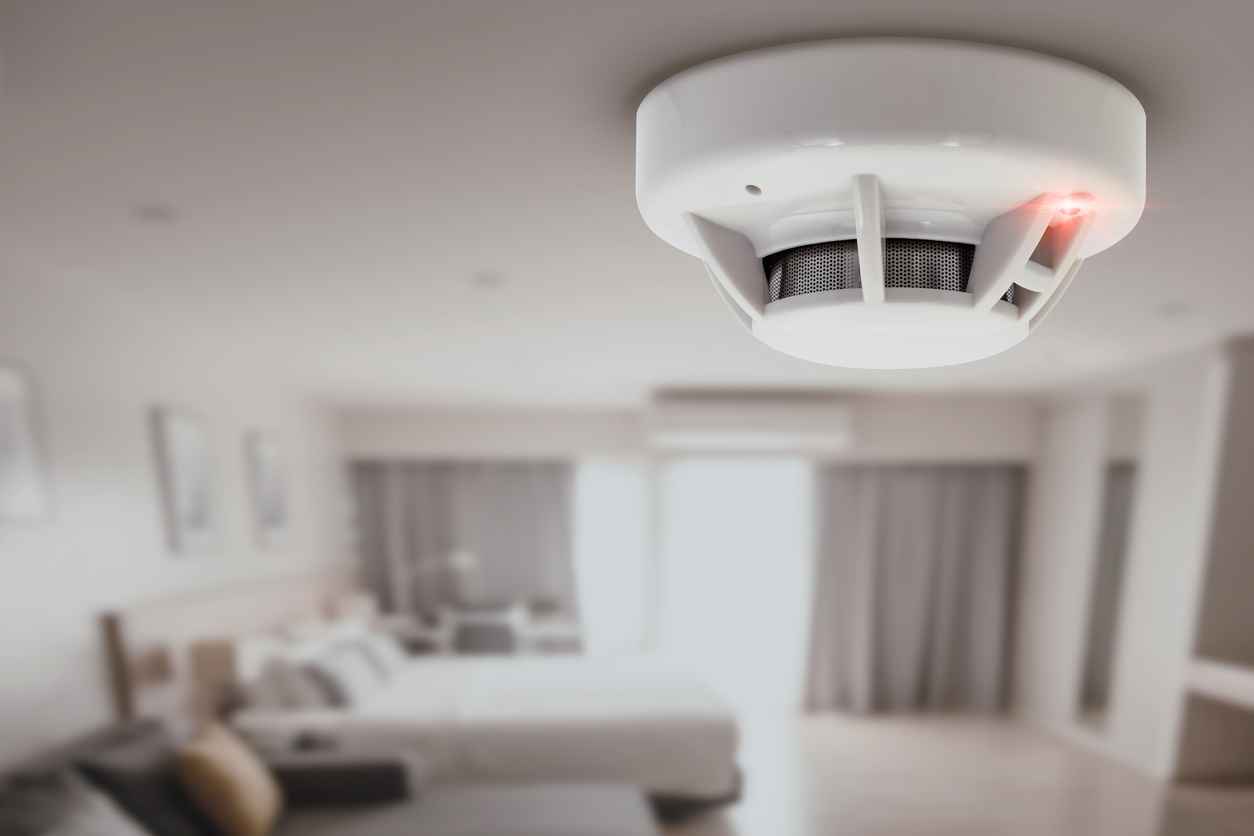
{"x": 141, "y": 775}
{"x": 230, "y": 783}
{"x": 284, "y": 684}
{"x": 305, "y": 630}
{"x": 62, "y": 805}
{"x": 328, "y": 684}
{"x": 308, "y": 639}
{"x": 347, "y": 628}
{"x": 385, "y": 652}
{"x": 347, "y": 674}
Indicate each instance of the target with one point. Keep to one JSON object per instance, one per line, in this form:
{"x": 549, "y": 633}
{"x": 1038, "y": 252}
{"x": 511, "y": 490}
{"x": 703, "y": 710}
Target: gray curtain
{"x": 467, "y": 533}
{"x": 913, "y": 582}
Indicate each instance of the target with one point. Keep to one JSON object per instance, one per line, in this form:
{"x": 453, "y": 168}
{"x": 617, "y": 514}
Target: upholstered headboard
{"x": 161, "y": 654}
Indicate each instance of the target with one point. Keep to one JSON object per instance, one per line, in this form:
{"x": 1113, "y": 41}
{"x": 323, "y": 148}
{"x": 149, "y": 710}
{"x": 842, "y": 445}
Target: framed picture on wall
{"x": 188, "y": 492}
{"x": 267, "y": 477}
{"x": 23, "y": 481}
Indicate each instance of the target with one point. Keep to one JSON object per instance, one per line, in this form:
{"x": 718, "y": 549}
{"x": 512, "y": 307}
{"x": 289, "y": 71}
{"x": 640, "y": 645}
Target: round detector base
{"x": 1038, "y": 162}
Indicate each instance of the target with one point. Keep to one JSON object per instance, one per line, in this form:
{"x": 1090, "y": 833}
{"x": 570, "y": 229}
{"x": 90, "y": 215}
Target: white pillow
{"x": 349, "y": 673}
{"x": 348, "y": 627}
{"x": 312, "y": 643}
{"x": 305, "y": 630}
{"x": 285, "y": 684}
{"x": 386, "y": 652}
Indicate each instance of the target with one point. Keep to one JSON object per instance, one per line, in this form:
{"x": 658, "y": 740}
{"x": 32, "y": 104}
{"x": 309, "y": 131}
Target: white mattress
{"x": 547, "y": 719}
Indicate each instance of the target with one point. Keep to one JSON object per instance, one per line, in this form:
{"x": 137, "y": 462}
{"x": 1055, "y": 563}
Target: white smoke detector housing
{"x": 891, "y": 203}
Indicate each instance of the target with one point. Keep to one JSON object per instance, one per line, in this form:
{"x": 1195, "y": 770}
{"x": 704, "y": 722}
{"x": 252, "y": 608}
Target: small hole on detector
{"x": 753, "y": 190}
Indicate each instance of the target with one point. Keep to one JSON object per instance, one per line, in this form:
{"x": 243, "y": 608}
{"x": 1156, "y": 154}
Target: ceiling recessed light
{"x": 155, "y": 213}
{"x": 1173, "y": 310}
{"x": 487, "y": 279}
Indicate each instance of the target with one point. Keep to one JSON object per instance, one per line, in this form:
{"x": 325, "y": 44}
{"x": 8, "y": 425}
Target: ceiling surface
{"x": 434, "y": 202}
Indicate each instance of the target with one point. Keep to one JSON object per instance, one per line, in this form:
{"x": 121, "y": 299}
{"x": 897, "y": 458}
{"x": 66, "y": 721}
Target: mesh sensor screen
{"x": 833, "y": 265}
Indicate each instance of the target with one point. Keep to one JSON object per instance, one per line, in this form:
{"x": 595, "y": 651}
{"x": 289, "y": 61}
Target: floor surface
{"x": 833, "y": 776}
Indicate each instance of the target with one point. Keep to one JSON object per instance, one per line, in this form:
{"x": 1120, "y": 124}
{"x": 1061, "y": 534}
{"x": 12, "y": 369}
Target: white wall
{"x": 1226, "y": 626}
{"x": 1064, "y": 503}
{"x": 1181, "y": 434}
{"x": 472, "y": 433}
{"x": 887, "y": 428}
{"x": 970, "y": 428}
{"x": 99, "y": 364}
{"x": 1167, "y": 550}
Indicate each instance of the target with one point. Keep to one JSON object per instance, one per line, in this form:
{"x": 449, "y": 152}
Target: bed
{"x": 517, "y": 719}
{"x": 520, "y": 719}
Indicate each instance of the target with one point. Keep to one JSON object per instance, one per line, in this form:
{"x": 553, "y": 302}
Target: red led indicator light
{"x": 1074, "y": 205}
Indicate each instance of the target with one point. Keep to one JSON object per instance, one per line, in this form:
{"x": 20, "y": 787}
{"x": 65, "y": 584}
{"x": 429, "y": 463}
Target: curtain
{"x": 913, "y": 582}
{"x": 466, "y": 533}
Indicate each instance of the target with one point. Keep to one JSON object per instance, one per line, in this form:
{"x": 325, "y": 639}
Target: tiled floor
{"x": 833, "y": 776}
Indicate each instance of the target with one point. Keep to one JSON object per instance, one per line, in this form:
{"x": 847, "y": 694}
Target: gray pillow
{"x": 284, "y": 684}
{"x": 385, "y": 652}
{"x": 62, "y": 805}
{"x": 347, "y": 673}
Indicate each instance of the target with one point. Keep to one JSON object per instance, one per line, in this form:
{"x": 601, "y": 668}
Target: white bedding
{"x": 536, "y": 719}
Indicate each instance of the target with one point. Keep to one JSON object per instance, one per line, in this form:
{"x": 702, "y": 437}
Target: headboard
{"x": 160, "y": 652}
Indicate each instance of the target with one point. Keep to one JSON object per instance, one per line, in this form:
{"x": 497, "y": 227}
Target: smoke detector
{"x": 891, "y": 203}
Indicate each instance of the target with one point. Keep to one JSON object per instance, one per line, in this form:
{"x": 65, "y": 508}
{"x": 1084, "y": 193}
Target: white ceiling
{"x": 342, "y": 172}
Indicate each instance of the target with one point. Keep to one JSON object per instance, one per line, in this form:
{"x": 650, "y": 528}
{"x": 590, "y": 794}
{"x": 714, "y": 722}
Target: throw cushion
{"x": 61, "y": 805}
{"x": 347, "y": 673}
{"x": 230, "y": 783}
{"x": 385, "y": 652}
{"x": 287, "y": 684}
